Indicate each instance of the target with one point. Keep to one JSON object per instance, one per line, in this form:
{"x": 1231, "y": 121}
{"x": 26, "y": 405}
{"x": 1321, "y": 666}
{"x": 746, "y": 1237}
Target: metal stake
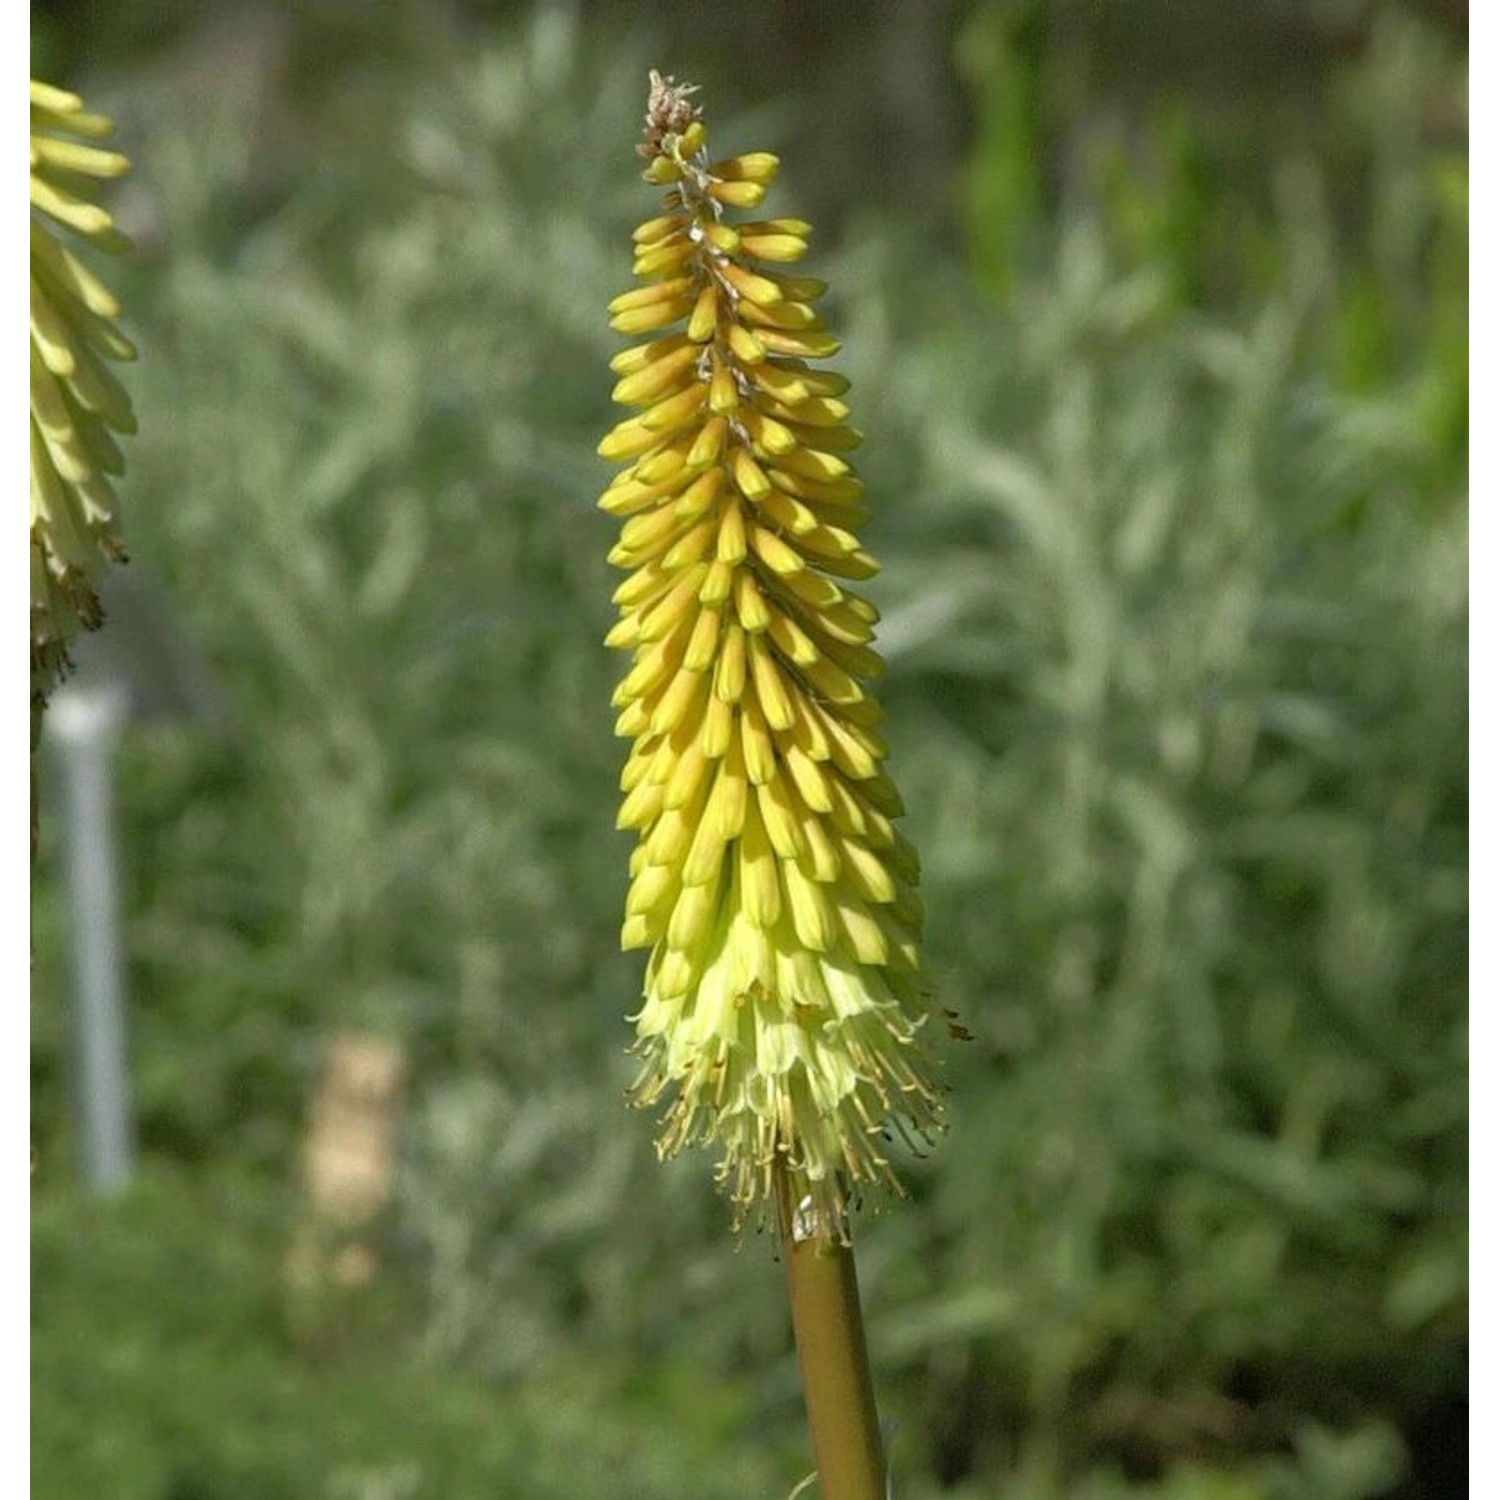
{"x": 85, "y": 721}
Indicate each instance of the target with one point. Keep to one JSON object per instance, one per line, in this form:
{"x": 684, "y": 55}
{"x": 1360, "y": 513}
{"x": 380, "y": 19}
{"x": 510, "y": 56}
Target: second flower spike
{"x": 77, "y": 404}
{"x": 784, "y": 999}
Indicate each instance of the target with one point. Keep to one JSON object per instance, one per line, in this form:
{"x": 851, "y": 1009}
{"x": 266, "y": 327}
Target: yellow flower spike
{"x": 784, "y": 1012}
{"x": 76, "y": 402}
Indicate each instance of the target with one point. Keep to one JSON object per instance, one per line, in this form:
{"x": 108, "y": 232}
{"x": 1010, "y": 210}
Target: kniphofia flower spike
{"x": 76, "y": 402}
{"x": 784, "y": 996}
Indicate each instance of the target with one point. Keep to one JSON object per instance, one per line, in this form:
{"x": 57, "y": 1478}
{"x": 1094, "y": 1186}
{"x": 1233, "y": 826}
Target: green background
{"x": 1157, "y": 322}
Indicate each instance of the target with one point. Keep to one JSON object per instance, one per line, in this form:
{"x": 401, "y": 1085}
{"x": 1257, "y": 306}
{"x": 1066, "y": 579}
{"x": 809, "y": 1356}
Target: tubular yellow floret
{"x": 784, "y": 1009}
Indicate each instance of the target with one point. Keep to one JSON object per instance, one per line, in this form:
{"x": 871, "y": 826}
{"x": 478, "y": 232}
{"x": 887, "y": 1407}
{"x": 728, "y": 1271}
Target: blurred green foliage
{"x": 163, "y": 1373}
{"x": 1167, "y": 453}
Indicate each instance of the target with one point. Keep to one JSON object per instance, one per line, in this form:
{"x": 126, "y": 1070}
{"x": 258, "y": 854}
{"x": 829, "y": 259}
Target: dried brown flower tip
{"x": 669, "y": 111}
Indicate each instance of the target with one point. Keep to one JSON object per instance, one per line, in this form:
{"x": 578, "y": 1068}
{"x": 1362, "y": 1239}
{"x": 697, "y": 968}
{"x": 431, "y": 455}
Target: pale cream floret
{"x": 779, "y": 1051}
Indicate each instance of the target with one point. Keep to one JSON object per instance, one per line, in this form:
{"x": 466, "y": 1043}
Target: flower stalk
{"x": 837, "y": 1386}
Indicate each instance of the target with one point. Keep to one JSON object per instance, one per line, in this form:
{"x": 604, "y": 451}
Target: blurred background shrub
{"x": 1157, "y": 322}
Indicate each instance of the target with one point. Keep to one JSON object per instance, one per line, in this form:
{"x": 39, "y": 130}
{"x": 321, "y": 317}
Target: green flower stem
{"x": 836, "y": 1381}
